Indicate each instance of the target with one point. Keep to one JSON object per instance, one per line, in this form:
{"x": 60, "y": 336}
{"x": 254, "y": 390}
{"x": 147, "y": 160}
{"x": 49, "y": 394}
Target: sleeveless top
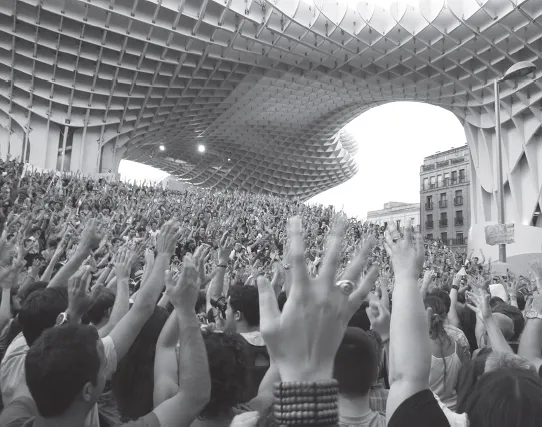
{"x": 445, "y": 387}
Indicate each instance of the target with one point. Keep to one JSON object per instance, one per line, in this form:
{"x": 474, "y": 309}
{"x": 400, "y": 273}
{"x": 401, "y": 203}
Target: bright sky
{"x": 393, "y": 138}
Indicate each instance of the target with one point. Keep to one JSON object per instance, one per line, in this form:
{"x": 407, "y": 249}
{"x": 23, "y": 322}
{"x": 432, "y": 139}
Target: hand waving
{"x": 183, "y": 292}
{"x": 78, "y": 296}
{"x": 316, "y": 309}
{"x": 168, "y": 237}
{"x": 91, "y": 237}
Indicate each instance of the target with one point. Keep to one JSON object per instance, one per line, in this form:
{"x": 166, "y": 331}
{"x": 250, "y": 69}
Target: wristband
{"x": 455, "y": 287}
{"x": 222, "y": 266}
{"x": 307, "y": 403}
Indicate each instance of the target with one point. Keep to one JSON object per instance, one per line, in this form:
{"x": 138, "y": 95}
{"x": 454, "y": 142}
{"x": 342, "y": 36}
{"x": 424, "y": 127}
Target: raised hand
{"x": 78, "y": 295}
{"x": 407, "y": 254}
{"x": 123, "y": 263}
{"x": 91, "y": 236}
{"x": 183, "y": 291}
{"x": 168, "y": 237}
{"x": 317, "y": 309}
{"x": 200, "y": 257}
{"x": 479, "y": 303}
{"x": 224, "y": 249}
{"x": 380, "y": 319}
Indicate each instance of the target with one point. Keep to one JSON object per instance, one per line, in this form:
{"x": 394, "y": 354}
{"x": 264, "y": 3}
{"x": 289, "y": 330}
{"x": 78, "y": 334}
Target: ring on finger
{"x": 346, "y": 286}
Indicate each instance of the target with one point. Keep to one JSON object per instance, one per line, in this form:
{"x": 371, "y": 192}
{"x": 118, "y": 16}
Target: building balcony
{"x": 458, "y": 201}
{"x": 457, "y": 242}
{"x": 458, "y": 160}
{"x": 443, "y": 223}
{"x": 429, "y": 206}
{"x": 462, "y": 179}
{"x": 459, "y": 221}
{"x": 429, "y": 224}
{"x": 453, "y": 181}
{"x": 443, "y": 203}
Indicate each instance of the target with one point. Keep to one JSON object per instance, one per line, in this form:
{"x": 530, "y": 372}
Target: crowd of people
{"x": 135, "y": 305}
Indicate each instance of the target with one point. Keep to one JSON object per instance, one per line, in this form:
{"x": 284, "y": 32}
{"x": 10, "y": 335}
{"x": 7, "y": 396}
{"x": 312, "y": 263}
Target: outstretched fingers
{"x": 300, "y": 274}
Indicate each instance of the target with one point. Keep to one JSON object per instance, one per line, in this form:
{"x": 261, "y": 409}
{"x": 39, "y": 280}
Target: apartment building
{"x": 397, "y": 213}
{"x": 444, "y": 197}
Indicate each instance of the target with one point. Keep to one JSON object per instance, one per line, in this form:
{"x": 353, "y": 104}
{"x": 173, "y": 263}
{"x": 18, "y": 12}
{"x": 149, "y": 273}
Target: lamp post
{"x": 515, "y": 72}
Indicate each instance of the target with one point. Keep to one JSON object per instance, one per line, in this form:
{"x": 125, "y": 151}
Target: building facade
{"x": 397, "y": 213}
{"x": 444, "y": 197}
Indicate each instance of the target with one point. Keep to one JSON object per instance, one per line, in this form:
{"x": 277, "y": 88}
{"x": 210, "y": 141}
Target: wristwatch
{"x": 533, "y": 314}
{"x": 62, "y": 319}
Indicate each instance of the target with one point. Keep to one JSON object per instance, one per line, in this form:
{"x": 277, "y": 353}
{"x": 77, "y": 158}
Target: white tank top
{"x": 445, "y": 390}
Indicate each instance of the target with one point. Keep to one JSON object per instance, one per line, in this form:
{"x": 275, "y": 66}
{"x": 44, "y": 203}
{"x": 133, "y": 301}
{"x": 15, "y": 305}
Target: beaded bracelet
{"x": 306, "y": 403}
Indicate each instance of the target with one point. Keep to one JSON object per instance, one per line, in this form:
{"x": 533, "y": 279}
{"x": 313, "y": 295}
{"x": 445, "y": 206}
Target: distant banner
{"x": 499, "y": 234}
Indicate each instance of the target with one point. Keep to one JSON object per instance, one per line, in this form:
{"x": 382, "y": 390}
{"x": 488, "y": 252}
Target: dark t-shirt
{"x": 420, "y": 410}
{"x": 20, "y": 413}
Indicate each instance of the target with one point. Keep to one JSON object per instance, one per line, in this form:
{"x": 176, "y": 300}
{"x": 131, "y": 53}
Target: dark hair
{"x": 513, "y": 313}
{"x": 281, "y": 299}
{"x": 102, "y": 301}
{"x": 245, "y": 300}
{"x": 468, "y": 376}
{"x": 40, "y": 310}
{"x": 360, "y": 319}
{"x": 356, "y": 363}
{"x": 133, "y": 382}
{"x": 59, "y": 363}
{"x": 24, "y": 291}
{"x": 506, "y": 397}
{"x": 467, "y": 323}
{"x": 436, "y": 325}
{"x": 228, "y": 371}
{"x": 444, "y": 296}
{"x": 495, "y": 301}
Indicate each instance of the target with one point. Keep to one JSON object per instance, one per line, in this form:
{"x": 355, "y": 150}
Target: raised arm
{"x": 410, "y": 353}
{"x": 216, "y": 287}
{"x": 530, "y": 344}
{"x": 194, "y": 386}
{"x": 453, "y": 316}
{"x": 123, "y": 265}
{"x": 125, "y": 332}
{"x": 90, "y": 239}
{"x": 480, "y": 305}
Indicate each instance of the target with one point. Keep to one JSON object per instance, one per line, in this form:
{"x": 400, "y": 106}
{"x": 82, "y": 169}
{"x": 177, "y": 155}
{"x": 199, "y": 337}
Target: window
{"x": 461, "y": 175}
{"x": 459, "y": 214}
{"x": 458, "y": 199}
{"x": 459, "y": 239}
{"x": 426, "y": 183}
{"x": 429, "y": 217}
{"x": 444, "y": 237}
{"x": 439, "y": 180}
{"x": 442, "y": 196}
{"x": 443, "y": 216}
{"x": 429, "y": 202}
{"x": 442, "y": 202}
{"x": 446, "y": 178}
{"x": 432, "y": 183}
{"x": 458, "y": 218}
{"x": 458, "y": 193}
{"x": 454, "y": 177}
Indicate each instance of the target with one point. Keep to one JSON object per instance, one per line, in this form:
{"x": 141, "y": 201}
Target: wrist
{"x": 306, "y": 374}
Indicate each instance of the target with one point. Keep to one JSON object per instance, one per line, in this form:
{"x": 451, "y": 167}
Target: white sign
{"x": 499, "y": 234}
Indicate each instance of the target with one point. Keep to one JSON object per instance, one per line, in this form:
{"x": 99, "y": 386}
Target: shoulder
{"x": 18, "y": 413}
{"x": 420, "y": 409}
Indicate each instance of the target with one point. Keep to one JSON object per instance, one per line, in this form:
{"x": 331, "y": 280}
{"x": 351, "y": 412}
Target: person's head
{"x": 228, "y": 371}
{"x": 40, "y": 310}
{"x": 133, "y": 382}
{"x": 444, "y": 296}
{"x": 65, "y": 370}
{"x": 101, "y": 306}
{"x": 243, "y": 312}
{"x": 505, "y": 397}
{"x": 356, "y": 363}
{"x": 505, "y": 324}
{"x": 438, "y": 316}
{"x": 513, "y": 313}
{"x": 497, "y": 360}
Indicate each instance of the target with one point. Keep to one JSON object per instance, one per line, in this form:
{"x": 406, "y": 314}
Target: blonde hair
{"x": 497, "y": 360}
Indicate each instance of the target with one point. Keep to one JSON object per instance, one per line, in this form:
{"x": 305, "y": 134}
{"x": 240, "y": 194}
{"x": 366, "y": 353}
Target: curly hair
{"x": 228, "y": 370}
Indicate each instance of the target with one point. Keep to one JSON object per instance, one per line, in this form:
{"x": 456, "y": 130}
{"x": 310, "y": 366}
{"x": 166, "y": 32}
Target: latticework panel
{"x": 267, "y": 85}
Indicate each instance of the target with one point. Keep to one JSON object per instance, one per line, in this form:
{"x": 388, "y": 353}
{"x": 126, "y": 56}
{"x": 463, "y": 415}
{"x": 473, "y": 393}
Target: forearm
{"x": 120, "y": 307}
{"x": 216, "y": 288}
{"x": 410, "y": 353}
{"x": 148, "y": 295}
{"x": 453, "y": 317}
{"x": 103, "y": 275}
{"x": 71, "y": 267}
{"x": 194, "y": 378}
{"x": 496, "y": 338}
{"x": 530, "y": 344}
{"x": 5, "y": 308}
{"x": 46, "y": 276}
